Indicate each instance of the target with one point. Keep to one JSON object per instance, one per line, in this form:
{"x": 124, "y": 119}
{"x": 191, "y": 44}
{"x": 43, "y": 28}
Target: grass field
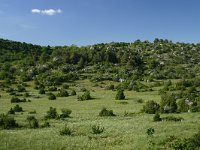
{"x": 121, "y": 132}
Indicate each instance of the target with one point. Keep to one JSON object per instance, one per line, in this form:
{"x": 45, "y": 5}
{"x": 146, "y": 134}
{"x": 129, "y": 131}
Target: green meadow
{"x": 126, "y": 130}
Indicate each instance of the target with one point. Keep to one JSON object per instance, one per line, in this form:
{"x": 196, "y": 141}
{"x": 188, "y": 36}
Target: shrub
{"x": 65, "y": 86}
{"x": 156, "y": 117}
{"x": 182, "y": 106}
{"x": 7, "y": 122}
{"x": 66, "y": 131}
{"x": 172, "y": 118}
{"x": 105, "y": 112}
{"x": 32, "y": 121}
{"x": 150, "y": 131}
{"x": 168, "y": 103}
{"x": 15, "y": 100}
{"x": 26, "y": 94}
{"x": 21, "y": 88}
{"x": 46, "y": 125}
{"x": 140, "y": 100}
{"x": 51, "y": 113}
{"x": 51, "y": 96}
{"x": 11, "y": 111}
{"x": 120, "y": 95}
{"x": 97, "y": 129}
{"x": 42, "y": 91}
{"x": 151, "y": 107}
{"x": 63, "y": 93}
{"x": 65, "y": 113}
{"x": 110, "y": 87}
{"x": 17, "y": 108}
{"x": 73, "y": 92}
{"x": 85, "y": 96}
{"x": 53, "y": 88}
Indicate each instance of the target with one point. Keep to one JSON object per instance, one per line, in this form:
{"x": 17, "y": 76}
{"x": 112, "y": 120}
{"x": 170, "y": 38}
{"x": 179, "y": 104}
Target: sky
{"x": 86, "y": 22}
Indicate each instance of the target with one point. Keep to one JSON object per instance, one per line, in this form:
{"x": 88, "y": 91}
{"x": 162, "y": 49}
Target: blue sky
{"x": 85, "y": 22}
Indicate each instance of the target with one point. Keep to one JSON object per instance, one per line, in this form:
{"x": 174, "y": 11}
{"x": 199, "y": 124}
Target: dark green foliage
{"x": 17, "y": 100}
{"x": 7, "y": 122}
{"x": 73, "y": 92}
{"x": 150, "y": 131}
{"x": 26, "y": 94}
{"x": 120, "y": 95}
{"x": 192, "y": 143}
{"x": 51, "y": 113}
{"x": 65, "y": 86}
{"x": 17, "y": 108}
{"x": 85, "y": 96}
{"x": 46, "y": 125}
{"x": 106, "y": 112}
{"x": 42, "y": 91}
{"x": 140, "y": 100}
{"x": 110, "y": 87}
{"x": 51, "y": 96}
{"x": 21, "y": 88}
{"x": 11, "y": 111}
{"x": 151, "y": 107}
{"x": 32, "y": 122}
{"x": 172, "y": 118}
{"x": 65, "y": 113}
{"x": 168, "y": 103}
{"x": 97, "y": 129}
{"x": 53, "y": 88}
{"x": 63, "y": 93}
{"x": 182, "y": 106}
{"x": 156, "y": 117}
{"x": 66, "y": 131}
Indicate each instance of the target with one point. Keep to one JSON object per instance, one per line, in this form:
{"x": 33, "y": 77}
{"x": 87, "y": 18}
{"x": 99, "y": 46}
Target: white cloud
{"x": 49, "y": 12}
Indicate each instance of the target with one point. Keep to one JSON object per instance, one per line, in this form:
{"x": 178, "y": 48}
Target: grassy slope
{"x": 120, "y": 132}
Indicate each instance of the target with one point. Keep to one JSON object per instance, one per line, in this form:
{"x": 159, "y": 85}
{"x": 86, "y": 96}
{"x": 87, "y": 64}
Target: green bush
{"x": 151, "y": 107}
{"x": 120, "y": 95}
{"x": 168, "y": 103}
{"x": 51, "y": 96}
{"x": 66, "y": 131}
{"x": 65, "y": 86}
{"x": 11, "y": 111}
{"x": 17, "y": 108}
{"x": 53, "y": 88}
{"x": 21, "y": 88}
{"x": 172, "y": 118}
{"x": 110, "y": 87}
{"x": 32, "y": 122}
{"x": 182, "y": 106}
{"x": 156, "y": 117}
{"x": 51, "y": 113}
{"x": 46, "y": 125}
{"x": 97, "y": 129}
{"x": 17, "y": 100}
{"x": 65, "y": 113}
{"x": 105, "y": 112}
{"x": 73, "y": 92}
{"x": 63, "y": 93}
{"x": 7, "y": 122}
{"x": 42, "y": 91}
{"x": 85, "y": 96}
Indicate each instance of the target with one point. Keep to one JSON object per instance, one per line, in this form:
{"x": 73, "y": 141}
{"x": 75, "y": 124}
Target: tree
{"x": 120, "y": 95}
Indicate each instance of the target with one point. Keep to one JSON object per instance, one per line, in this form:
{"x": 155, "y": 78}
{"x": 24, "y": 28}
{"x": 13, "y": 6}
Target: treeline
{"x": 161, "y": 59}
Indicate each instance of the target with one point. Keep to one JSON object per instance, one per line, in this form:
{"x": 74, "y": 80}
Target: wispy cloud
{"x": 49, "y": 12}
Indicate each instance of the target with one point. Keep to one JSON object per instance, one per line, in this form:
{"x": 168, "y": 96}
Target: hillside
{"x": 138, "y": 95}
